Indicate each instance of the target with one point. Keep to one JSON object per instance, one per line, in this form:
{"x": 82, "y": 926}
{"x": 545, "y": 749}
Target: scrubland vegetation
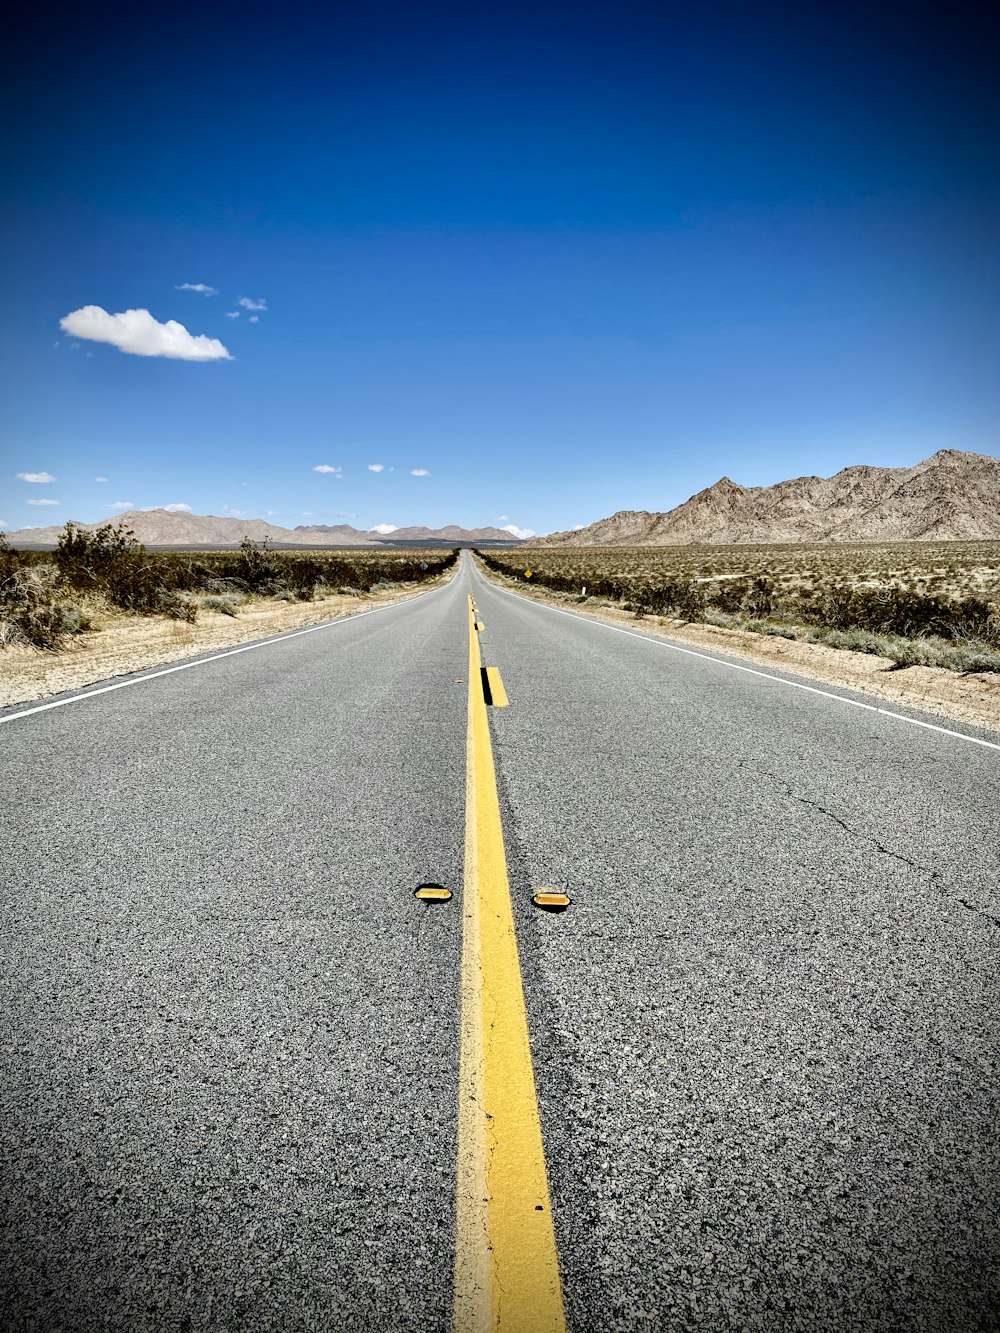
{"x": 917, "y": 603}
{"x": 46, "y": 597}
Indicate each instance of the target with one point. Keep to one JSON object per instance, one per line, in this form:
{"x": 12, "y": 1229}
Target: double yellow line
{"x": 506, "y": 1267}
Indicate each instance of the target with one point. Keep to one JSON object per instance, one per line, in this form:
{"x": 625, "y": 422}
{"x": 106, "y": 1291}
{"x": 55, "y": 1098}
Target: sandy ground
{"x": 122, "y": 644}
{"x": 973, "y": 698}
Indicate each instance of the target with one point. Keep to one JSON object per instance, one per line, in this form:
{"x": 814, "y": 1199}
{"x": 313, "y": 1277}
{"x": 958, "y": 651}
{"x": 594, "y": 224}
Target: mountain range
{"x": 951, "y": 496}
{"x": 165, "y": 527}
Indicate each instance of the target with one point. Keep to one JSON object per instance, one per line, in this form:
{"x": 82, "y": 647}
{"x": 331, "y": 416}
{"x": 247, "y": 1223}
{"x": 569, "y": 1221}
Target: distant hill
{"x": 164, "y": 527}
{"x": 951, "y": 496}
{"x": 450, "y": 534}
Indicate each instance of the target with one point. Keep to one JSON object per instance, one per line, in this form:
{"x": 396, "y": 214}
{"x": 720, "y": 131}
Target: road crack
{"x": 936, "y": 877}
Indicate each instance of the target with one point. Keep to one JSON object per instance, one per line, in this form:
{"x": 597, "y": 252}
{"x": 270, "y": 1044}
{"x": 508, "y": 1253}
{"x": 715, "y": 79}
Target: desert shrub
{"x": 896, "y": 611}
{"x": 33, "y": 611}
{"x": 226, "y": 603}
{"x": 176, "y": 606}
{"x": 730, "y": 595}
{"x": 110, "y": 560}
{"x": 250, "y": 569}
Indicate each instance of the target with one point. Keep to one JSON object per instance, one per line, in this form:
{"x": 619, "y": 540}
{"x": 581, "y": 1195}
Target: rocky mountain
{"x": 450, "y": 534}
{"x": 163, "y": 527}
{"x": 951, "y": 496}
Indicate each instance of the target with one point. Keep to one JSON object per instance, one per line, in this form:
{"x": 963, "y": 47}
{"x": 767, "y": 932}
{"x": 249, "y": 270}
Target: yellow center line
{"x": 498, "y": 694}
{"x": 506, "y": 1267}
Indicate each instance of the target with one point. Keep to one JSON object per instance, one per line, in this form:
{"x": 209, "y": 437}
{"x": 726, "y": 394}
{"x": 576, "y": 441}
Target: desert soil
{"x": 119, "y": 644}
{"x": 973, "y": 698}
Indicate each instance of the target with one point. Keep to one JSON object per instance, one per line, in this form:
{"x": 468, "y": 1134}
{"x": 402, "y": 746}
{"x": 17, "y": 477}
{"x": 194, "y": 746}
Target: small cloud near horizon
{"x": 230, "y": 512}
{"x": 46, "y": 501}
{"x": 39, "y": 478}
{"x": 248, "y": 303}
{"x": 137, "y": 333}
{"x": 419, "y": 472}
{"x": 119, "y": 505}
{"x": 100, "y": 478}
{"x": 325, "y": 467}
{"x": 376, "y": 467}
{"x": 522, "y": 534}
{"x": 202, "y": 287}
{"x": 384, "y": 528}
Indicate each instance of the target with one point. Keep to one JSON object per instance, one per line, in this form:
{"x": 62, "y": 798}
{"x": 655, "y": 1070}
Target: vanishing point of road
{"x": 747, "y": 1079}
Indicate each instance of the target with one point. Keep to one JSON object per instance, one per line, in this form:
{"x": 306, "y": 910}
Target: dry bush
{"x": 32, "y": 610}
{"x": 906, "y": 597}
{"x": 41, "y": 593}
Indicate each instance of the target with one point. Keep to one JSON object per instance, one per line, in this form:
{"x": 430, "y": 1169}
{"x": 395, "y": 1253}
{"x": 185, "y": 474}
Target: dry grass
{"x": 918, "y": 603}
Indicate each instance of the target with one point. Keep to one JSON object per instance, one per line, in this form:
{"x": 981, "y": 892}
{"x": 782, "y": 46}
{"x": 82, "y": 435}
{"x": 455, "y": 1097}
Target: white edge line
{"x": 230, "y": 652}
{"x": 737, "y": 666}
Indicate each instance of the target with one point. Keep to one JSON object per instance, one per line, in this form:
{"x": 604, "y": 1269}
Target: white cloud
{"x": 3, "y": 524}
{"x": 254, "y": 319}
{"x": 119, "y": 504}
{"x": 40, "y": 477}
{"x": 232, "y": 314}
{"x": 44, "y": 502}
{"x": 376, "y": 467}
{"x": 419, "y": 472}
{"x": 100, "y": 478}
{"x": 176, "y": 508}
{"x": 272, "y": 513}
{"x": 202, "y": 287}
{"x": 521, "y": 533}
{"x": 325, "y": 467}
{"x": 578, "y": 527}
{"x": 501, "y": 518}
{"x": 348, "y": 513}
{"x": 234, "y": 513}
{"x": 384, "y": 528}
{"x": 248, "y": 303}
{"x": 139, "y": 334}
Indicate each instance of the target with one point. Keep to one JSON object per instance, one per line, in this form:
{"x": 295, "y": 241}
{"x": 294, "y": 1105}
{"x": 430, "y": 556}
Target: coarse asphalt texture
{"x": 765, "y": 1033}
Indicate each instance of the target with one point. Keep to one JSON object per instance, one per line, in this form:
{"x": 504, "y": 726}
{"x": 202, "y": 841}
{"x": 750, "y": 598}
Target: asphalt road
{"x": 765, "y": 1033}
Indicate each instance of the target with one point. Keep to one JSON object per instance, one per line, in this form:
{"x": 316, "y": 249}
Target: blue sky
{"x": 557, "y": 262}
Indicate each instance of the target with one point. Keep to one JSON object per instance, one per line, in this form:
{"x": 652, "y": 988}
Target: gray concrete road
{"x": 228, "y": 1049}
{"x": 765, "y": 1033}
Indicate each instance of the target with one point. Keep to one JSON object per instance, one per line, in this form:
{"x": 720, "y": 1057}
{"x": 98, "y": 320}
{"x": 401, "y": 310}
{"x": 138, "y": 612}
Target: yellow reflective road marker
{"x": 506, "y": 1267}
{"x": 432, "y": 893}
{"x": 553, "y": 900}
{"x": 480, "y": 625}
{"x": 498, "y": 695}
